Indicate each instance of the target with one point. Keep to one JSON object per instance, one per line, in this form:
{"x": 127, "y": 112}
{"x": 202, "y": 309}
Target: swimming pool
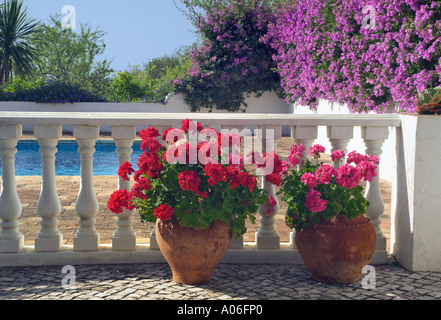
{"x": 67, "y": 159}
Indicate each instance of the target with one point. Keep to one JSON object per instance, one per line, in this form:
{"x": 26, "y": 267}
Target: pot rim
{"x": 340, "y": 221}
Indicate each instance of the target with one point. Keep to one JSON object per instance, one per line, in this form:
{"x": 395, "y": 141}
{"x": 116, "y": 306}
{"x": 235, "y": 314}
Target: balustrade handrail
{"x": 165, "y": 119}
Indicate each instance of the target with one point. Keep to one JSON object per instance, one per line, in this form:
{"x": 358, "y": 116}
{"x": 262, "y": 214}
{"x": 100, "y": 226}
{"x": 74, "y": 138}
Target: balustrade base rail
{"x": 143, "y": 254}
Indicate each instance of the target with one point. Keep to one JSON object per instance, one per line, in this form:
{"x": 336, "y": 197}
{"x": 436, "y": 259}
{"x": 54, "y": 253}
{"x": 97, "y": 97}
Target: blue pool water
{"x": 67, "y": 162}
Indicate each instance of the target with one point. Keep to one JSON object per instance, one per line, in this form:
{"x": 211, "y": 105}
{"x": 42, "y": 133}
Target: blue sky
{"x": 137, "y": 30}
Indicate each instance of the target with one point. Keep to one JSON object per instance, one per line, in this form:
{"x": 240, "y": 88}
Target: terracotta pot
{"x": 336, "y": 251}
{"x": 192, "y": 255}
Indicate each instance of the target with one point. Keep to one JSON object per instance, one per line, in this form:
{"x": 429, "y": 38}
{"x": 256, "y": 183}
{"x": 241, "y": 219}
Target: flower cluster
{"x": 189, "y": 181}
{"x": 232, "y": 60}
{"x": 164, "y": 212}
{"x": 272, "y": 166}
{"x": 120, "y": 200}
{"x": 319, "y": 189}
{"x": 296, "y": 154}
{"x": 363, "y": 53}
{"x": 183, "y": 176}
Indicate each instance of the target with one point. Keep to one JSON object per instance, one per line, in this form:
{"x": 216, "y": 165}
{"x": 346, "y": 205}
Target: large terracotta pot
{"x": 336, "y": 251}
{"x": 192, "y": 255}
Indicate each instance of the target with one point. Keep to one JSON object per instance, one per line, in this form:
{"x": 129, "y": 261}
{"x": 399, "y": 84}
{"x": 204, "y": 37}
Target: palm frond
{"x": 16, "y": 29}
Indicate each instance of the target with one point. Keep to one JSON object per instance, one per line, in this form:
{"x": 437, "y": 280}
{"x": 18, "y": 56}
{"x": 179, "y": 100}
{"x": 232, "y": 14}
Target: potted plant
{"x": 429, "y": 101}
{"x": 326, "y": 208}
{"x": 197, "y": 192}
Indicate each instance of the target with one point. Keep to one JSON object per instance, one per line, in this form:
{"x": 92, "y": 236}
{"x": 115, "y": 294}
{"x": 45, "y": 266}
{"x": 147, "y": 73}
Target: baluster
{"x": 11, "y": 240}
{"x": 49, "y": 239}
{"x": 236, "y": 243}
{"x": 124, "y": 237}
{"x": 339, "y": 138}
{"x": 305, "y": 135}
{"x": 374, "y": 138}
{"x": 267, "y": 236}
{"x": 86, "y": 238}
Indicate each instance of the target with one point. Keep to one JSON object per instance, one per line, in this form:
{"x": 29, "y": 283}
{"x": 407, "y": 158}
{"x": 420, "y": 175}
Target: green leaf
{"x": 436, "y": 100}
{"x": 427, "y": 97}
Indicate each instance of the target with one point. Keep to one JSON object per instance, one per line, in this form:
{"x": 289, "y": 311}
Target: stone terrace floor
{"x": 153, "y": 282}
{"x": 229, "y": 282}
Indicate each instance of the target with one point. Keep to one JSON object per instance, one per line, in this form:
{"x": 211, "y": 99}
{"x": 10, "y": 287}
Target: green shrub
{"x": 53, "y": 92}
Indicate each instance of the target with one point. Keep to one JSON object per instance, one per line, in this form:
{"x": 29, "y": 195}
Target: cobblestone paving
{"x": 229, "y": 282}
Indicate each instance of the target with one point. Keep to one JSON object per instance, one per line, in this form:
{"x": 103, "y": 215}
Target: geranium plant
{"x": 194, "y": 177}
{"x": 315, "y": 191}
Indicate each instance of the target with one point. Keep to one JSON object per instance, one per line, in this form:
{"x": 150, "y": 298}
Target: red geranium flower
{"x": 143, "y": 184}
{"x": 125, "y": 170}
{"x": 189, "y": 181}
{"x": 151, "y": 145}
{"x": 120, "y": 200}
{"x": 163, "y": 212}
{"x": 215, "y": 172}
{"x": 202, "y": 194}
{"x": 149, "y": 133}
{"x": 186, "y": 124}
{"x": 172, "y": 135}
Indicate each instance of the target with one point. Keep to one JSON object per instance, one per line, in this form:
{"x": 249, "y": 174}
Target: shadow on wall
{"x": 401, "y": 228}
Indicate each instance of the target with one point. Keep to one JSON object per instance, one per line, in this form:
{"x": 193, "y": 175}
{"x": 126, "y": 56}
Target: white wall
{"x": 416, "y": 200}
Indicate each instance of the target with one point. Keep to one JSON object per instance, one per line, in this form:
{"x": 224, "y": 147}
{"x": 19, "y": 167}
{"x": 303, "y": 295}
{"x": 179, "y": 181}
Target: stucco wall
{"x": 416, "y": 200}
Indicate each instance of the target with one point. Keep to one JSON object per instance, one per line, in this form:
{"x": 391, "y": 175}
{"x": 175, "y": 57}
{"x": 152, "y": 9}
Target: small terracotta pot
{"x": 192, "y": 255}
{"x": 336, "y": 251}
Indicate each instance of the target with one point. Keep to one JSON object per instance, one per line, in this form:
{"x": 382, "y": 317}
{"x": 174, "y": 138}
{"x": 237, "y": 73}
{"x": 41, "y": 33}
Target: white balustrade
{"x": 339, "y": 137}
{"x": 267, "y": 245}
{"x": 11, "y": 240}
{"x": 236, "y": 243}
{"x": 374, "y": 138}
{"x": 305, "y": 135}
{"x": 87, "y": 237}
{"x": 124, "y": 237}
{"x": 49, "y": 206}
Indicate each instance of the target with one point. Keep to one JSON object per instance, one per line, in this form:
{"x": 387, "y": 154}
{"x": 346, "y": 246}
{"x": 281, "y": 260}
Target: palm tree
{"x": 17, "y": 56}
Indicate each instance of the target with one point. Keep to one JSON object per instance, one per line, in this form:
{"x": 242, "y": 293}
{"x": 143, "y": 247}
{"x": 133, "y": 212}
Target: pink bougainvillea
{"x": 367, "y": 54}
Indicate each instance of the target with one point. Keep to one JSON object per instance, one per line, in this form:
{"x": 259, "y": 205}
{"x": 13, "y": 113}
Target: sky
{"x": 137, "y": 30}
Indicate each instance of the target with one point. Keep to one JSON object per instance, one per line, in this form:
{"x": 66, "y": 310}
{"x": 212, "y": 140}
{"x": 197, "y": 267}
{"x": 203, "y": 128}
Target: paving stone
{"x": 268, "y": 282}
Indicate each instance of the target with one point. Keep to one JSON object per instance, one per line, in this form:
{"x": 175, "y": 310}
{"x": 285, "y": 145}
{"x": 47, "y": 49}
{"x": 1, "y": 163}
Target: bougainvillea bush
{"x": 314, "y": 190}
{"x": 232, "y": 61}
{"x": 367, "y": 54}
{"x": 196, "y": 176}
